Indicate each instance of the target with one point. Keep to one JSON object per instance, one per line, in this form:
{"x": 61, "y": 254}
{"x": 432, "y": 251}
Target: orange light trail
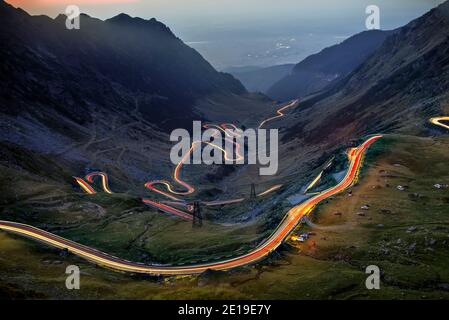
{"x": 287, "y": 225}
{"x": 168, "y": 209}
{"x": 90, "y": 178}
{"x": 230, "y": 131}
{"x": 176, "y": 172}
{"x": 314, "y": 182}
{"x": 279, "y": 112}
{"x": 273, "y": 188}
{"x": 222, "y": 202}
{"x": 437, "y": 121}
{"x": 84, "y": 185}
{"x": 104, "y": 180}
{"x": 351, "y": 152}
{"x": 176, "y": 176}
{"x": 235, "y": 131}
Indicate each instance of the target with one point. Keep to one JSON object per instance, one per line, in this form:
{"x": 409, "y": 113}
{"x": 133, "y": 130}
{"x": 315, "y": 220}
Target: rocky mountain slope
{"x": 333, "y": 63}
{"x": 396, "y": 89}
{"x": 106, "y": 94}
{"x": 104, "y": 65}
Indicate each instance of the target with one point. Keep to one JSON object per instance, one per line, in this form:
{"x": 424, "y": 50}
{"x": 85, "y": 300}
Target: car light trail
{"x": 291, "y": 219}
{"x": 84, "y": 185}
{"x": 233, "y": 131}
{"x": 319, "y": 176}
{"x": 222, "y": 202}
{"x": 273, "y": 188}
{"x": 314, "y": 182}
{"x": 90, "y": 178}
{"x": 437, "y": 121}
{"x": 104, "y": 180}
{"x": 229, "y": 130}
{"x": 279, "y": 112}
{"x": 176, "y": 173}
{"x": 168, "y": 209}
{"x": 351, "y": 152}
{"x": 183, "y": 204}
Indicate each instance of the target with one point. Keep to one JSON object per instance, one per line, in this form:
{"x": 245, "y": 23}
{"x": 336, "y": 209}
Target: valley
{"x": 87, "y": 177}
{"x": 344, "y": 244}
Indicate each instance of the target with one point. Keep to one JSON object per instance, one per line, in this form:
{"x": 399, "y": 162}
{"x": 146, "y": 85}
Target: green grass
{"x": 413, "y": 264}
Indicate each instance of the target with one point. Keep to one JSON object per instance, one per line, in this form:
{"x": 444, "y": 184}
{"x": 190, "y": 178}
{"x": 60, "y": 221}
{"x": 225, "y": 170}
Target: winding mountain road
{"x": 291, "y": 219}
{"x": 230, "y": 132}
{"x": 280, "y": 113}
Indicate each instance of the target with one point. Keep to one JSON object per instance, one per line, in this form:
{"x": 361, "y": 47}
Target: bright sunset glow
{"x": 26, "y": 3}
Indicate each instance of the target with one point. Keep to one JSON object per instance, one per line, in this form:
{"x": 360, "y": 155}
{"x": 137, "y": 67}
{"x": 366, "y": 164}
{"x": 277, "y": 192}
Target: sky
{"x": 250, "y": 32}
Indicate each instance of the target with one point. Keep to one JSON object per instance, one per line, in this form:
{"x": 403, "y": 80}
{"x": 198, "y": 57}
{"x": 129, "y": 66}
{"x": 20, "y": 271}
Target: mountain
{"x": 318, "y": 70}
{"x": 260, "y": 79}
{"x": 104, "y": 65}
{"x": 105, "y": 96}
{"x": 401, "y": 85}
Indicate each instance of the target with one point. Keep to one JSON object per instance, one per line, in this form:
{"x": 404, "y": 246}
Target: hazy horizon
{"x": 255, "y": 32}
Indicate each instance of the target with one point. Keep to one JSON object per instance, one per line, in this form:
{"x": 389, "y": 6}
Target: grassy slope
{"x": 119, "y": 224}
{"x": 412, "y": 267}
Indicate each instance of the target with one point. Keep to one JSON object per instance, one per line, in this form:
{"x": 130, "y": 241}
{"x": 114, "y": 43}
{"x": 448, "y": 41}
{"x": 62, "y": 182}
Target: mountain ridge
{"x": 104, "y": 96}
{"x": 141, "y": 56}
{"x": 403, "y": 83}
{"x": 330, "y": 64}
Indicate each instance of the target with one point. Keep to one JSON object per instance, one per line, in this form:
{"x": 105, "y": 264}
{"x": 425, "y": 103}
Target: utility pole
{"x": 197, "y": 217}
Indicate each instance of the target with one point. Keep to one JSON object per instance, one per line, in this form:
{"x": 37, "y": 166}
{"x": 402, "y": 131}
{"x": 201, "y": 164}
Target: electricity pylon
{"x": 197, "y": 217}
{"x": 253, "y": 192}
